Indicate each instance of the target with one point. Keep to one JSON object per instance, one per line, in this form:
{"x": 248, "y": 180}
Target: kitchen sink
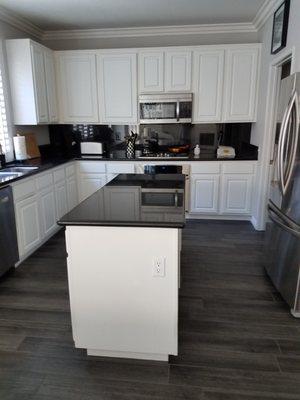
{"x": 6, "y": 174}
{"x": 17, "y": 170}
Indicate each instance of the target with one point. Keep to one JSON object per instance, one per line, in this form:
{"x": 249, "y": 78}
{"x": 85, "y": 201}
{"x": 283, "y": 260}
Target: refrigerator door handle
{"x": 285, "y": 174}
{"x": 284, "y": 222}
{"x": 295, "y": 136}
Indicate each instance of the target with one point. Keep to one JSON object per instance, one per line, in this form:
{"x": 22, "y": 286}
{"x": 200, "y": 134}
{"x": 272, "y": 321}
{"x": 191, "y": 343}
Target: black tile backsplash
{"x": 65, "y": 139}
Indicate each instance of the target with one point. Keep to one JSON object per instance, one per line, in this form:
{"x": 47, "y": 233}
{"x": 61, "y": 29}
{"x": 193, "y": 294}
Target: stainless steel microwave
{"x": 165, "y": 108}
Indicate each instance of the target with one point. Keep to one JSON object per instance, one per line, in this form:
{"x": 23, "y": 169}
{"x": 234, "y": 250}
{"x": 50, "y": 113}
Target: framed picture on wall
{"x": 280, "y": 27}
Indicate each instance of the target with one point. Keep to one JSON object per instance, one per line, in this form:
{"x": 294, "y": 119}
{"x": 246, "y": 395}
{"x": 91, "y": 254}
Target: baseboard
{"x": 295, "y": 314}
{"x": 256, "y": 225}
{"x": 220, "y": 217}
{"x": 128, "y": 354}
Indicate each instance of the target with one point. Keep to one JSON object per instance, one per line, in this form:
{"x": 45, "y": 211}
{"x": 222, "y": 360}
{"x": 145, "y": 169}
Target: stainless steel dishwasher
{"x": 9, "y": 253}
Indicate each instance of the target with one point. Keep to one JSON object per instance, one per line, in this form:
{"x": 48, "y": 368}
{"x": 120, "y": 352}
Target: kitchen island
{"x": 123, "y": 246}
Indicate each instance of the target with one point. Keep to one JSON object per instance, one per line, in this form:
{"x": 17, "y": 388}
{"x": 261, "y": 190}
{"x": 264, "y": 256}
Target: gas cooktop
{"x": 164, "y": 155}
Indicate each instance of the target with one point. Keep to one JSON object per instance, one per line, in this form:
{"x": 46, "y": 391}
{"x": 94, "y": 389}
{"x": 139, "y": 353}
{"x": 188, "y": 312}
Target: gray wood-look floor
{"x": 237, "y": 340}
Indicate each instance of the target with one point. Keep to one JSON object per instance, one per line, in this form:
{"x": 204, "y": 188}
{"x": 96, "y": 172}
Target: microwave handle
{"x": 177, "y": 110}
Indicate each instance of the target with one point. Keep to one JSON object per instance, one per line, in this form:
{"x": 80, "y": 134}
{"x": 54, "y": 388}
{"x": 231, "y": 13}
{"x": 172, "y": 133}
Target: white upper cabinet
{"x": 151, "y": 71}
{"x": 77, "y": 83}
{"x": 51, "y": 86}
{"x": 241, "y": 83}
{"x": 40, "y": 87}
{"x": 208, "y": 67}
{"x": 165, "y": 71}
{"x": 117, "y": 74}
{"x": 32, "y": 82}
{"x": 178, "y": 70}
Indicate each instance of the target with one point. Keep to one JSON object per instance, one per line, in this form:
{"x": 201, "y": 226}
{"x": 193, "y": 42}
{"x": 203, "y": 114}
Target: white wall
{"x": 151, "y": 41}
{"x": 259, "y": 130}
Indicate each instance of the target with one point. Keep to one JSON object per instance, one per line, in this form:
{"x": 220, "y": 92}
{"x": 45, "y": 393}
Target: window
{"x": 4, "y": 135}
{"x": 6, "y": 128}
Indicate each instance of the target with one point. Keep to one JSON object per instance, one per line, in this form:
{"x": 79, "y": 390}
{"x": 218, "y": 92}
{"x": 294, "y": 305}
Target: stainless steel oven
{"x": 165, "y": 108}
{"x": 162, "y": 199}
{"x": 170, "y": 200}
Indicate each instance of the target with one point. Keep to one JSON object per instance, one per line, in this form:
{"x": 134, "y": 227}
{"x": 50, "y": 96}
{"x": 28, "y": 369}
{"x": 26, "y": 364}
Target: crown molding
{"x": 265, "y": 12}
{"x": 149, "y": 31}
{"x": 20, "y": 23}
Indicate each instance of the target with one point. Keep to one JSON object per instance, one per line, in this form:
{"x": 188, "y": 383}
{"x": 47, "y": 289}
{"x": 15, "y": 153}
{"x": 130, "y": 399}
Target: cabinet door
{"x": 89, "y": 184}
{"x": 118, "y": 88}
{"x": 51, "y": 86}
{"x": 151, "y": 72}
{"x": 72, "y": 194}
{"x": 236, "y": 193}
{"x": 204, "y": 193}
{"x": 208, "y": 69}
{"x": 178, "y": 71}
{"x": 78, "y": 86}
{"x": 47, "y": 212}
{"x": 61, "y": 199}
{"x": 40, "y": 89}
{"x": 241, "y": 84}
{"x": 28, "y": 224}
{"x": 122, "y": 203}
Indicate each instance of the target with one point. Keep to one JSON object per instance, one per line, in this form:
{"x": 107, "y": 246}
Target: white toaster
{"x": 91, "y": 149}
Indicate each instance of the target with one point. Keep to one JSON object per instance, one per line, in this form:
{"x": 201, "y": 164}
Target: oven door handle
{"x": 176, "y": 199}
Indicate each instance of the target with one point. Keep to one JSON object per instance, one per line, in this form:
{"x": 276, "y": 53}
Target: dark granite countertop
{"x": 202, "y": 157}
{"x": 119, "y": 203}
{"x": 44, "y": 164}
{"x": 41, "y": 164}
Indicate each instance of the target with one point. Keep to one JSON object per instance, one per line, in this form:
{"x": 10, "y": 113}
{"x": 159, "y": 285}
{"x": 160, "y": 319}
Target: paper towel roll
{"x": 20, "y": 147}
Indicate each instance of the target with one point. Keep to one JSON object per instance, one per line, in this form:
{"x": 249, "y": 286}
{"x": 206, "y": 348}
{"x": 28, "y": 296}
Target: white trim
{"x": 265, "y": 11}
{"x": 266, "y": 147}
{"x": 149, "y": 31}
{"x": 20, "y": 23}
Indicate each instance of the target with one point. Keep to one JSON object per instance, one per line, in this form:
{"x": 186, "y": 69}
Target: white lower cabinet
{"x": 72, "y": 193}
{"x": 28, "y": 224}
{"x": 236, "y": 193}
{"x": 222, "y": 188}
{"x": 61, "y": 199}
{"x": 48, "y": 212}
{"x": 39, "y": 202}
{"x": 205, "y": 193}
{"x": 89, "y": 184}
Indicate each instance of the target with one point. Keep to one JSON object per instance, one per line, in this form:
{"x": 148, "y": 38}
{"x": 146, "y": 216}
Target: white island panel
{"x": 119, "y": 307}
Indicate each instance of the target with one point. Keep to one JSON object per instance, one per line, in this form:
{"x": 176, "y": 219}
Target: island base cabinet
{"x": 120, "y": 305}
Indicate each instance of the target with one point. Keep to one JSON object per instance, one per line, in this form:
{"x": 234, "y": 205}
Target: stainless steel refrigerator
{"x": 283, "y": 227}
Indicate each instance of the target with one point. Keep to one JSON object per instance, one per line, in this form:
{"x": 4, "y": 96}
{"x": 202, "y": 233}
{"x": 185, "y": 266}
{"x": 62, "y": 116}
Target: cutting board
{"x": 32, "y": 148}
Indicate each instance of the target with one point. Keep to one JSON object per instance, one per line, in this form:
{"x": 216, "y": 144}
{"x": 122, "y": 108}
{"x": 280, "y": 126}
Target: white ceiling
{"x": 93, "y": 14}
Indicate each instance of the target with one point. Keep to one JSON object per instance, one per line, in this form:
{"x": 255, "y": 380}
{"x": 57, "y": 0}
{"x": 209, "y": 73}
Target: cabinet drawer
{"x": 70, "y": 170}
{"x": 59, "y": 175}
{"x": 25, "y": 189}
{"x": 120, "y": 168}
{"x": 92, "y": 167}
{"x": 44, "y": 181}
{"x": 238, "y": 167}
{"x": 206, "y": 167}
